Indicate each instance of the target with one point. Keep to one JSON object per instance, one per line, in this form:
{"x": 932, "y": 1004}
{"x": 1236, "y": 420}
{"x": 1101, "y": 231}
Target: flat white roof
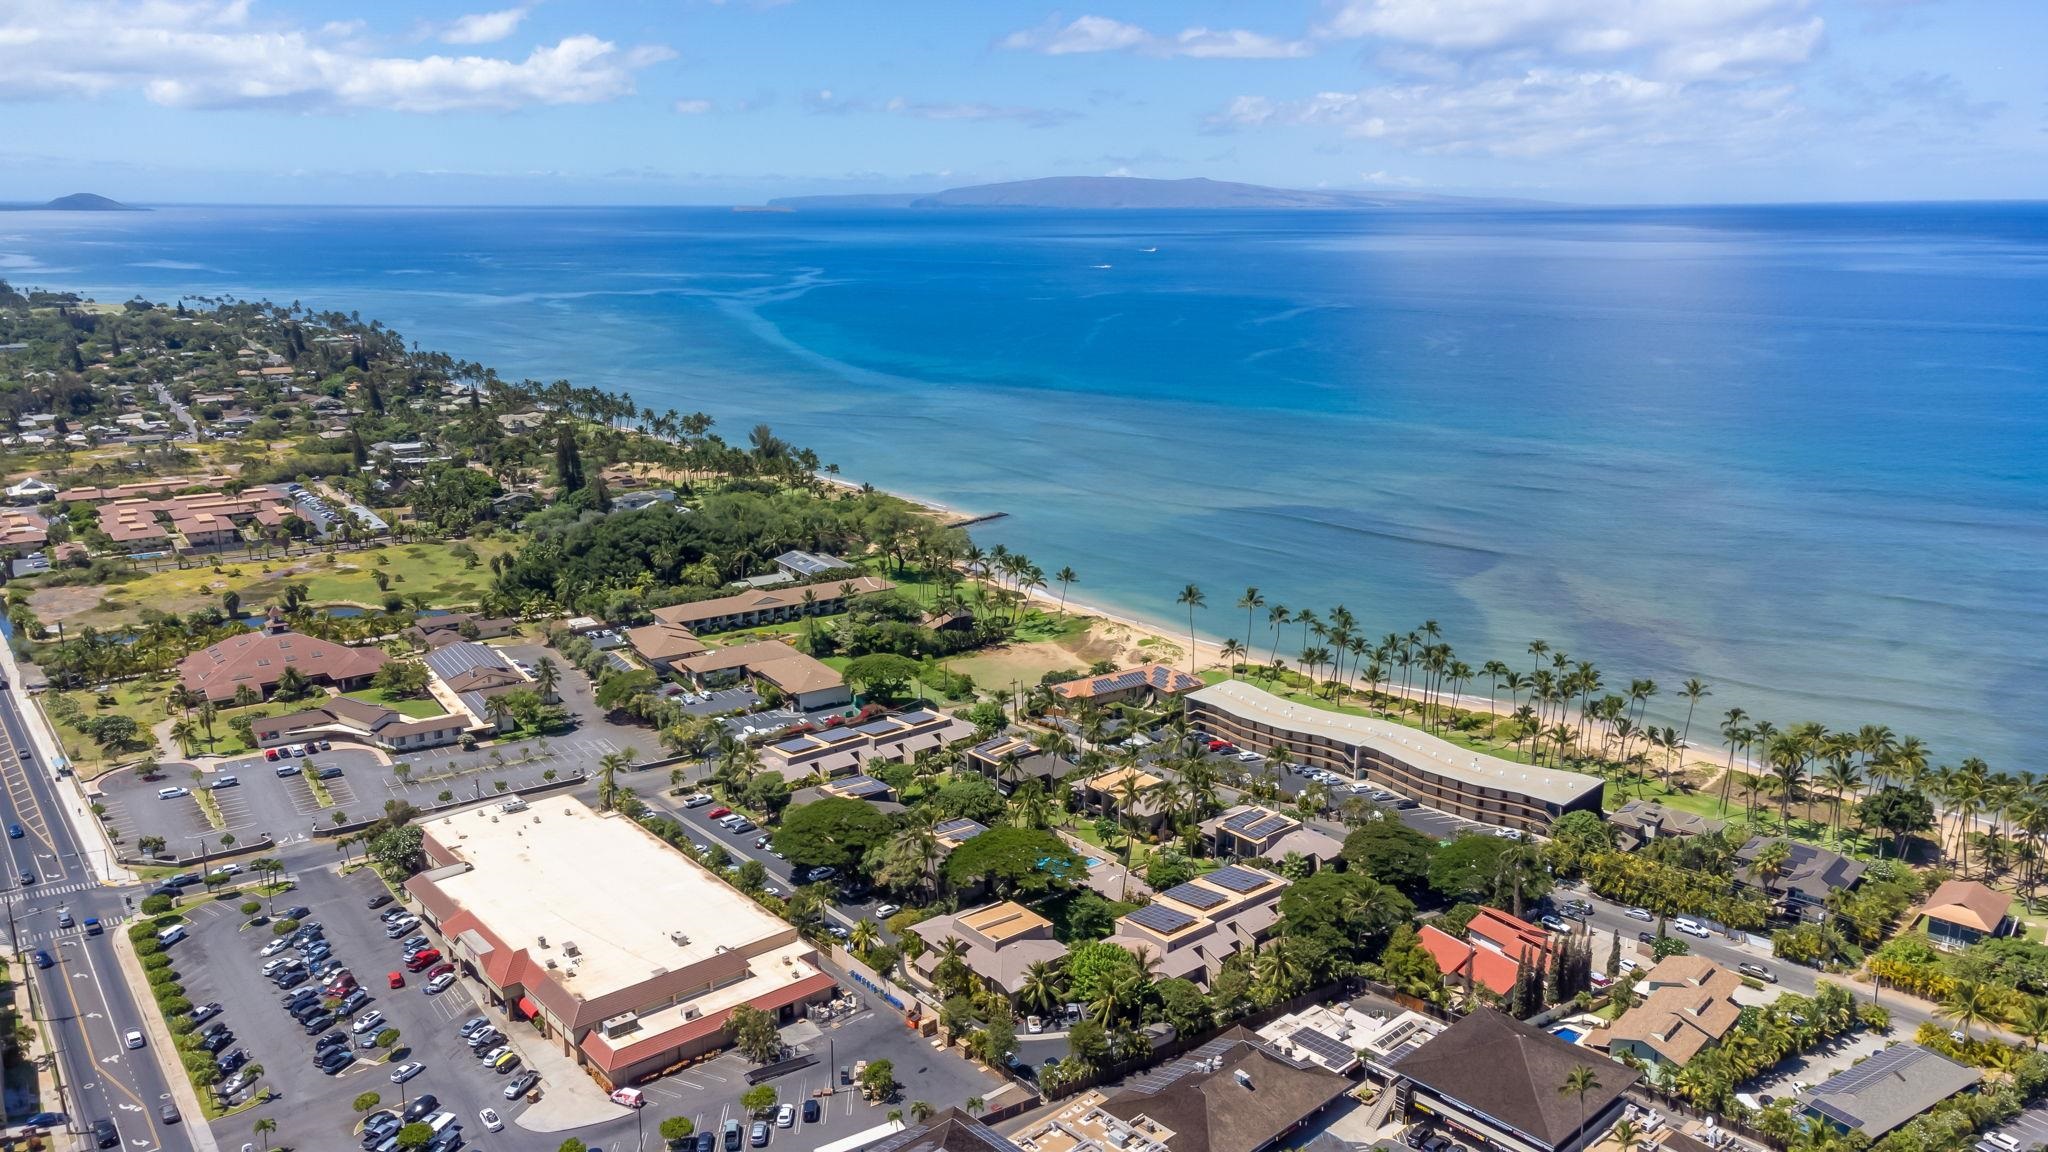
{"x": 602, "y": 883}
{"x": 1412, "y": 746}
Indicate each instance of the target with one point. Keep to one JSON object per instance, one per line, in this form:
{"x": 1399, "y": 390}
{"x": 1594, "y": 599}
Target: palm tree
{"x": 1969, "y": 1004}
{"x": 1275, "y": 617}
{"x": 975, "y": 1106}
{"x": 264, "y": 1127}
{"x": 1233, "y": 654}
{"x": 546, "y": 675}
{"x": 1579, "y": 1081}
{"x": 920, "y": 1111}
{"x": 1251, "y": 601}
{"x": 1041, "y": 988}
{"x": 1193, "y": 598}
{"x": 1067, "y": 578}
{"x": 2031, "y": 1021}
{"x": 1626, "y": 1136}
{"x": 1695, "y": 690}
{"x": 608, "y": 766}
{"x": 863, "y": 936}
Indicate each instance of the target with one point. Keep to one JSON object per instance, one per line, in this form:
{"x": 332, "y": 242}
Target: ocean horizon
{"x": 1798, "y": 451}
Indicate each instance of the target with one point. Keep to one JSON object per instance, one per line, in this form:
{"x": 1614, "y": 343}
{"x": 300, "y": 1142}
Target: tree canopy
{"x": 834, "y": 832}
{"x": 1013, "y": 861}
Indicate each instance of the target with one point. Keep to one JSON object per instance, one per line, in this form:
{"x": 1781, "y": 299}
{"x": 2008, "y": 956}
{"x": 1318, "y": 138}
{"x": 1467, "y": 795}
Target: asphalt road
{"x": 83, "y": 997}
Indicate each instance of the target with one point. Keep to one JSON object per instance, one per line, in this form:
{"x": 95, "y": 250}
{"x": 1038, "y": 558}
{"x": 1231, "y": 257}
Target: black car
{"x": 380, "y": 900}
{"x": 232, "y": 1062}
{"x": 308, "y": 1010}
{"x": 104, "y": 1135}
{"x": 213, "y": 1029}
{"x": 168, "y": 1114}
{"x": 424, "y": 1106}
{"x": 812, "y": 1111}
{"x": 333, "y": 1039}
{"x": 336, "y": 1060}
{"x": 300, "y": 999}
{"x": 290, "y": 978}
{"x": 1647, "y": 937}
{"x": 707, "y": 1141}
{"x": 217, "y": 1041}
{"x": 297, "y": 912}
{"x": 319, "y": 1022}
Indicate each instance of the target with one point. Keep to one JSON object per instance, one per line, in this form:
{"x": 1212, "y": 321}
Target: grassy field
{"x": 429, "y": 570}
{"x": 143, "y": 702}
{"x": 422, "y": 708}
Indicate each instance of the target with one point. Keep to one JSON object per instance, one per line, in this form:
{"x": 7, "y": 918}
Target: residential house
{"x": 1104, "y": 795}
{"x": 1147, "y": 684}
{"x": 434, "y": 631}
{"x": 1193, "y": 928}
{"x": 1235, "y": 1093}
{"x": 1638, "y": 822}
{"x": 1887, "y": 1089}
{"x": 1012, "y": 758}
{"x": 1962, "y": 912}
{"x": 1248, "y": 830}
{"x": 1809, "y": 874}
{"x": 1688, "y": 1004}
{"x": 1498, "y": 1080}
{"x": 1003, "y": 941}
{"x": 836, "y": 750}
{"x": 1491, "y": 955}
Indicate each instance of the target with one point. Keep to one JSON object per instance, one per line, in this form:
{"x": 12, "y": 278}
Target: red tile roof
{"x": 259, "y": 659}
{"x": 1489, "y": 969}
{"x": 611, "y": 1059}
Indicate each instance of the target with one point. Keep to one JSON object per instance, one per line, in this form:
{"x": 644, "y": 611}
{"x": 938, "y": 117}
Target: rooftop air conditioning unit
{"x": 552, "y": 964}
{"x": 1244, "y": 1077}
{"x": 692, "y": 1012}
{"x": 569, "y": 946}
{"x": 678, "y": 939}
{"x": 543, "y": 941}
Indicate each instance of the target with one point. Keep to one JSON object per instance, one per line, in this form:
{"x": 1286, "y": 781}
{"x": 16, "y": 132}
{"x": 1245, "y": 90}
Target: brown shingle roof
{"x": 259, "y": 659}
{"x": 1969, "y": 904}
{"x": 1509, "y": 1071}
{"x": 1215, "y": 1111}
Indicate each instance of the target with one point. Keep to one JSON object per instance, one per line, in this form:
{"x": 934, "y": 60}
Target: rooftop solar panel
{"x": 961, "y": 829}
{"x": 1244, "y": 820}
{"x": 1239, "y": 880}
{"x": 1161, "y": 919}
{"x": 1329, "y": 1048}
{"x": 1195, "y": 896}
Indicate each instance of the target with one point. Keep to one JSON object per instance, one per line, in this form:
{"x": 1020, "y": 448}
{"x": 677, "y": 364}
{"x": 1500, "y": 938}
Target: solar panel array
{"x": 858, "y": 786}
{"x": 960, "y": 829}
{"x": 1328, "y": 1048}
{"x": 1195, "y": 896}
{"x": 1161, "y": 919}
{"x": 1257, "y": 824}
{"x": 1891, "y": 1064}
{"x": 1239, "y": 880}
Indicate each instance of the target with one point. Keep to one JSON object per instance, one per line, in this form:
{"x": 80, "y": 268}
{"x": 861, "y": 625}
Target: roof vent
{"x": 552, "y": 964}
{"x": 543, "y": 941}
{"x": 679, "y": 939}
{"x": 569, "y": 947}
{"x": 1244, "y": 1077}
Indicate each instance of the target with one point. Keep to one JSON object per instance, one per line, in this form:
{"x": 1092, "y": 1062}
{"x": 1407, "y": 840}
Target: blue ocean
{"x": 1800, "y": 452}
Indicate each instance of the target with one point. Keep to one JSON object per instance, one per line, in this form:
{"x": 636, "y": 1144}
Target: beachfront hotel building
{"x": 628, "y": 978}
{"x": 1423, "y": 767}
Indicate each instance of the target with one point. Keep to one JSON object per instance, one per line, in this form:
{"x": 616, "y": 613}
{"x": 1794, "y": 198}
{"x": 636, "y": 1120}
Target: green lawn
{"x": 422, "y": 708}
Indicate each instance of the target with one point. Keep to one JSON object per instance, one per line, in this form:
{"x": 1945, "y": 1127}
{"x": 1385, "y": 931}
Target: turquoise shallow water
{"x": 1796, "y": 451}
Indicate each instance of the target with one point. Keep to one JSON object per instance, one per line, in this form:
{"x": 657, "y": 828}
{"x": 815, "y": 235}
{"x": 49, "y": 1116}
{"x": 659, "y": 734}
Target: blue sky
{"x": 695, "y": 101}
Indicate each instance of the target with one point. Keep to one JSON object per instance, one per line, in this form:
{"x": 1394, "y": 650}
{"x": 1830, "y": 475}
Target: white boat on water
{"x": 1148, "y": 249}
{"x": 1099, "y": 265}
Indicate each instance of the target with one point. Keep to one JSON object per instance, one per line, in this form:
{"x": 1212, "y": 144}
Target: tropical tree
{"x": 1193, "y": 598}
{"x": 1578, "y": 1082}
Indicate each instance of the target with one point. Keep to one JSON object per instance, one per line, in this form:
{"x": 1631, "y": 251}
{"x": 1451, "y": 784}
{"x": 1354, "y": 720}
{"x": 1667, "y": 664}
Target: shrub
{"x": 251, "y": 907}
{"x": 152, "y": 905}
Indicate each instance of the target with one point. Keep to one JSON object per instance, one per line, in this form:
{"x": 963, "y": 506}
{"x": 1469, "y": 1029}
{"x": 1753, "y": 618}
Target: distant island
{"x": 1131, "y": 192}
{"x": 76, "y": 202}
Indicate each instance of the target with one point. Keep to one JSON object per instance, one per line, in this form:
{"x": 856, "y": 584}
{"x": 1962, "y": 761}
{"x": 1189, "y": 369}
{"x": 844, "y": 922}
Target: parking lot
{"x": 220, "y": 962}
{"x": 2030, "y": 1128}
{"x": 1814, "y": 1067}
{"x": 287, "y": 807}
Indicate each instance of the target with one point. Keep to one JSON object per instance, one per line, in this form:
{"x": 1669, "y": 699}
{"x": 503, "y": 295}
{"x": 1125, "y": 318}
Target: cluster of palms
{"x": 1759, "y": 1040}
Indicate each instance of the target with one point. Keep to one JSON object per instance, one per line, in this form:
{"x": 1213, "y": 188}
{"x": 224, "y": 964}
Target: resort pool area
{"x": 1568, "y": 1035}
{"x": 1090, "y": 863}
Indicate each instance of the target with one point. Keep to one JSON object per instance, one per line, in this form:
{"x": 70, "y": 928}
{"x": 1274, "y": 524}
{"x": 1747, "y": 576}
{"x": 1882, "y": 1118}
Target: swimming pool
{"x": 1568, "y": 1035}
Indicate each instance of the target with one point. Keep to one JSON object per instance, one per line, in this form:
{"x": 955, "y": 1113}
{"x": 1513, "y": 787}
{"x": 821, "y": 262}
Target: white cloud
{"x": 1087, "y": 34}
{"x": 483, "y": 27}
{"x": 692, "y": 107}
{"x": 1030, "y": 117}
{"x": 210, "y": 54}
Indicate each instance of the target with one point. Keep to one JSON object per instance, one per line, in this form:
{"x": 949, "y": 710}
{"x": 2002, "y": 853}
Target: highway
{"x": 86, "y": 1004}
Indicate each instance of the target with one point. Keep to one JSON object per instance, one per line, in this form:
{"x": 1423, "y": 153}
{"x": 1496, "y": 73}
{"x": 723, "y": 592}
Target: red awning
{"x": 528, "y": 1008}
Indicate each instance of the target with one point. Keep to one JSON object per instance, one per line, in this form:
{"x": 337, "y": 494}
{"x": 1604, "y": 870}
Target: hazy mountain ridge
{"x": 1131, "y": 192}
{"x": 75, "y": 202}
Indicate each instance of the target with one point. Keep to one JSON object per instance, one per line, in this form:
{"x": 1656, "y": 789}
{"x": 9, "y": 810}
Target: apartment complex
{"x": 1003, "y": 941}
{"x": 770, "y": 605}
{"x": 626, "y": 982}
{"x": 886, "y": 739}
{"x": 1413, "y": 763}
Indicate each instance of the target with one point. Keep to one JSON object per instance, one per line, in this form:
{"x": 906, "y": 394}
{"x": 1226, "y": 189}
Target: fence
{"x": 540, "y": 789}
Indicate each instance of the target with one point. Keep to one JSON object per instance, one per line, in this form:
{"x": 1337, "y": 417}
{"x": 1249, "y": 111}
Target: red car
{"x": 715, "y": 813}
{"x": 430, "y": 956}
{"x": 341, "y": 985}
{"x": 270, "y": 753}
{"x": 395, "y": 979}
{"x": 443, "y": 966}
{"x": 1221, "y": 746}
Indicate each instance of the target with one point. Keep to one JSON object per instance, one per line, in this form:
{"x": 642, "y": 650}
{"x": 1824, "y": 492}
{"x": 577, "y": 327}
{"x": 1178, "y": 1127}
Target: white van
{"x": 1691, "y": 927}
{"x": 171, "y": 935}
{"x": 440, "y": 1120}
{"x": 171, "y": 793}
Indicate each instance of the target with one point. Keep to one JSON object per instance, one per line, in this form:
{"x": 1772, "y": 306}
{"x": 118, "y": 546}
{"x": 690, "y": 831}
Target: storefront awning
{"x": 528, "y": 1008}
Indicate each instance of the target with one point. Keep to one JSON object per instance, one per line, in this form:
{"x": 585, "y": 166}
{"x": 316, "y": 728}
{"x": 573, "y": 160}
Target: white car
{"x": 172, "y": 793}
{"x": 1034, "y": 1025}
{"x": 489, "y": 1116}
{"x": 440, "y": 983}
{"x": 407, "y": 1071}
{"x": 887, "y": 910}
{"x": 273, "y": 948}
{"x": 134, "y": 1039}
{"x": 1642, "y": 914}
{"x": 785, "y": 1116}
{"x": 366, "y": 1021}
{"x": 271, "y": 966}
